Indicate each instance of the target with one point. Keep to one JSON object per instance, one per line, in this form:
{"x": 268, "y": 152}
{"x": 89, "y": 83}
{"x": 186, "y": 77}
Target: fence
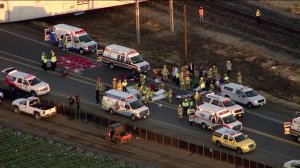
{"x": 153, "y": 136}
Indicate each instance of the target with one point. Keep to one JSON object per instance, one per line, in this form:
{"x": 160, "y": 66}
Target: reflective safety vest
{"x": 202, "y": 86}
{"x": 201, "y": 12}
{"x": 177, "y": 75}
{"x": 45, "y": 60}
{"x": 53, "y": 59}
{"x": 124, "y": 83}
{"x": 119, "y": 86}
{"x": 226, "y": 78}
{"x": 43, "y": 57}
{"x": 191, "y": 103}
{"x": 185, "y": 104}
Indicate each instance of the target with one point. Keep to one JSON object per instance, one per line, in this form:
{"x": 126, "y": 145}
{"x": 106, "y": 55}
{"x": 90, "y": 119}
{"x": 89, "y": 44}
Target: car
{"x": 225, "y": 137}
{"x": 1, "y": 97}
{"x": 292, "y": 164}
{"x": 17, "y": 80}
{"x": 215, "y": 100}
{"x": 117, "y": 133}
{"x": 243, "y": 94}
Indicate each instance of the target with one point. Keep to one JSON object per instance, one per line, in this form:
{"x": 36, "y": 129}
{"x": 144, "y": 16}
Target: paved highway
{"x": 21, "y": 47}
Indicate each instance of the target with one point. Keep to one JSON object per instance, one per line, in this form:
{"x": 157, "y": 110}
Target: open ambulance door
{"x": 69, "y": 43}
{"x": 287, "y": 128}
{"x": 47, "y": 33}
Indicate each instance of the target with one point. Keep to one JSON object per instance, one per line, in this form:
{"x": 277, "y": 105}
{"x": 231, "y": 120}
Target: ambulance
{"x": 123, "y": 103}
{"x": 70, "y": 37}
{"x": 207, "y": 117}
{"x": 128, "y": 58}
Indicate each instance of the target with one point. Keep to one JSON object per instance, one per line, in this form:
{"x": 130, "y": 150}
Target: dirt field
{"x": 273, "y": 73}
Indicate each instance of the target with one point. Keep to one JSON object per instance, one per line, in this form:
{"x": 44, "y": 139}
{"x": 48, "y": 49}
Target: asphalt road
{"x": 21, "y": 47}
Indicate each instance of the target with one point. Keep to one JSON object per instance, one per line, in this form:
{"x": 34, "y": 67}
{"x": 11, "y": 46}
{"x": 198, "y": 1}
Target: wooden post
{"x": 171, "y": 16}
{"x": 137, "y": 19}
{"x": 185, "y": 36}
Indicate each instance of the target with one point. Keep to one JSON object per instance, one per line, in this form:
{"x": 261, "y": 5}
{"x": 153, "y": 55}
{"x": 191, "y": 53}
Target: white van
{"x": 207, "y": 115}
{"x": 73, "y": 38}
{"x": 128, "y": 58}
{"x": 242, "y": 94}
{"x": 124, "y": 103}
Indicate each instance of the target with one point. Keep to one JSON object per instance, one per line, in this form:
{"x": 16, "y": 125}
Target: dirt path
{"x": 90, "y": 137}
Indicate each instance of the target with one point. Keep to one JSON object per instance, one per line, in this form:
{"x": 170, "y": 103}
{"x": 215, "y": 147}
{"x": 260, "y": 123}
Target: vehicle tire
{"x": 111, "y": 66}
{"x": 37, "y": 116}
{"x": 204, "y": 126}
{"x": 16, "y": 109}
{"x": 219, "y": 145}
{"x": 33, "y": 93}
{"x": 249, "y": 105}
{"x": 81, "y": 52}
{"x": 227, "y": 96}
{"x": 133, "y": 118}
{"x": 111, "y": 111}
{"x": 239, "y": 151}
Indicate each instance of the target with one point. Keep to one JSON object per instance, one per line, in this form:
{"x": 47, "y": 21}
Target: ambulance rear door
{"x": 47, "y": 33}
{"x": 69, "y": 41}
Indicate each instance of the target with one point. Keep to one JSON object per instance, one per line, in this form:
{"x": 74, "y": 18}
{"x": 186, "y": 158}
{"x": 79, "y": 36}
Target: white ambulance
{"x": 70, "y": 37}
{"x": 124, "y": 103}
{"x": 128, "y": 58}
{"x": 207, "y": 117}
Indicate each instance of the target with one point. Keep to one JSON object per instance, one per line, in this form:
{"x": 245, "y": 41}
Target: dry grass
{"x": 290, "y": 6}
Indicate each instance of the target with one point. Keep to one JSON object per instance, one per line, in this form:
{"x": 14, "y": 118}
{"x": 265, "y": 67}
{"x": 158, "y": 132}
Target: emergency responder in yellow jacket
{"x": 119, "y": 86}
{"x": 44, "y": 61}
{"x": 142, "y": 79}
{"x": 101, "y": 87}
{"x": 185, "y": 105}
{"x": 124, "y": 85}
{"x": 182, "y": 81}
{"x": 114, "y": 83}
{"x": 209, "y": 73}
{"x": 180, "y": 112}
{"x": 170, "y": 95}
{"x": 239, "y": 78}
{"x": 161, "y": 86}
{"x": 226, "y": 78}
{"x": 188, "y": 82}
{"x": 214, "y": 71}
{"x": 147, "y": 95}
{"x": 165, "y": 73}
{"x": 201, "y": 81}
{"x": 53, "y": 61}
{"x": 140, "y": 93}
{"x": 196, "y": 98}
{"x": 202, "y": 86}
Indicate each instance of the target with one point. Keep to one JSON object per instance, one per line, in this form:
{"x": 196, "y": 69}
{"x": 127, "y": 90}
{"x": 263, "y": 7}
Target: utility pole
{"x": 137, "y": 20}
{"x": 171, "y": 16}
{"x": 185, "y": 35}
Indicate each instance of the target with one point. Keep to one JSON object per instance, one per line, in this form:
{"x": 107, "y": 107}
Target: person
{"x": 53, "y": 61}
{"x": 191, "y": 117}
{"x": 214, "y": 71}
{"x": 258, "y": 15}
{"x": 170, "y": 94}
{"x": 180, "y": 112}
{"x": 239, "y": 78}
{"x": 182, "y": 81}
{"x": 191, "y": 69}
{"x": 124, "y": 85}
{"x": 209, "y": 73}
{"x": 185, "y": 105}
{"x": 44, "y": 61}
{"x": 202, "y": 86}
{"x": 77, "y": 100}
{"x": 147, "y": 96}
{"x": 101, "y": 87}
{"x": 196, "y": 98}
{"x": 142, "y": 79}
{"x": 228, "y": 67}
{"x": 212, "y": 87}
{"x": 174, "y": 72}
{"x": 165, "y": 73}
{"x": 97, "y": 97}
{"x": 187, "y": 82}
{"x": 201, "y": 14}
{"x": 161, "y": 85}
{"x": 191, "y": 103}
{"x": 119, "y": 86}
{"x": 114, "y": 83}
{"x": 140, "y": 93}
{"x": 177, "y": 78}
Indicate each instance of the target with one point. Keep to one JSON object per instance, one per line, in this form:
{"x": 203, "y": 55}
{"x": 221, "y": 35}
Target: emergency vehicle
{"x": 70, "y": 37}
{"x": 293, "y": 128}
{"x": 128, "y": 58}
{"x": 207, "y": 116}
{"x": 242, "y": 94}
{"x": 26, "y": 82}
{"x": 124, "y": 103}
{"x": 232, "y": 139}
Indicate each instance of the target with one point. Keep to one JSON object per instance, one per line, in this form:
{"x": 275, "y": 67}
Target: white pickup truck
{"x": 33, "y": 106}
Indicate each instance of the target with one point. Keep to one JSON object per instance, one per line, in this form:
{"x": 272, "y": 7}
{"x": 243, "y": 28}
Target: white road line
{"x": 276, "y": 154}
{"x": 268, "y": 118}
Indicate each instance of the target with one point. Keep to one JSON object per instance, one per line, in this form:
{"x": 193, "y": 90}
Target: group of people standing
{"x": 49, "y": 63}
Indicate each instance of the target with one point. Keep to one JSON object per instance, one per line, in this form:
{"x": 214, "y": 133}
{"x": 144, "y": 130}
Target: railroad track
{"x": 244, "y": 17}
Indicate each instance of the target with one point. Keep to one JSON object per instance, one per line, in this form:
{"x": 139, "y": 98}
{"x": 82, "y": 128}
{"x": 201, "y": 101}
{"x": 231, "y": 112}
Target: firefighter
{"x": 170, "y": 94}
{"x": 201, "y": 81}
{"x": 114, "y": 83}
{"x": 124, "y": 85}
{"x": 147, "y": 95}
{"x": 202, "y": 86}
{"x": 161, "y": 86}
{"x": 182, "y": 81}
{"x": 101, "y": 87}
{"x": 180, "y": 112}
{"x": 258, "y": 14}
{"x": 214, "y": 71}
{"x": 191, "y": 103}
{"x": 211, "y": 87}
{"x": 165, "y": 73}
{"x": 140, "y": 93}
{"x": 239, "y": 78}
{"x": 185, "y": 105}
{"x": 226, "y": 78}
{"x": 188, "y": 82}
{"x": 228, "y": 67}
{"x": 119, "y": 86}
{"x": 196, "y": 98}
{"x": 142, "y": 79}
{"x": 53, "y": 60}
{"x": 209, "y": 73}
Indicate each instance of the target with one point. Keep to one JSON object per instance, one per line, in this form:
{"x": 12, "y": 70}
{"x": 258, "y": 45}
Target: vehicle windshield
{"x": 85, "y": 38}
{"x": 136, "y": 104}
{"x": 240, "y": 138}
{"x": 251, "y": 93}
{"x": 34, "y": 81}
{"x": 228, "y": 103}
{"x": 137, "y": 59}
{"x": 229, "y": 119}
